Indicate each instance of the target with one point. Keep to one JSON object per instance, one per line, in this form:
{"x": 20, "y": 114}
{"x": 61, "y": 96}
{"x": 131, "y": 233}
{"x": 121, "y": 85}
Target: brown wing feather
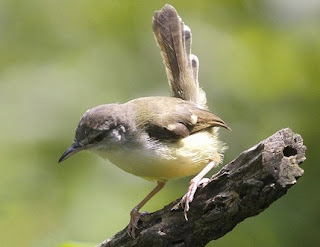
{"x": 181, "y": 121}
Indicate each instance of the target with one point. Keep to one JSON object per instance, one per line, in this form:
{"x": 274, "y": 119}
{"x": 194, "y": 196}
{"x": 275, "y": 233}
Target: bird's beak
{"x": 74, "y": 148}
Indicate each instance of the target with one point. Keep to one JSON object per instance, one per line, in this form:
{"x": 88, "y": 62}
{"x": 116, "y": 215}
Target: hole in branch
{"x": 289, "y": 151}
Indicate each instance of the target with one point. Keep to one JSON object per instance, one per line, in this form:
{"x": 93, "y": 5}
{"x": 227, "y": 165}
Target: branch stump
{"x": 243, "y": 188}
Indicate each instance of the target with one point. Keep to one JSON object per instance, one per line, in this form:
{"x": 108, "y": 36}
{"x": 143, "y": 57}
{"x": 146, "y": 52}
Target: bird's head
{"x": 98, "y": 128}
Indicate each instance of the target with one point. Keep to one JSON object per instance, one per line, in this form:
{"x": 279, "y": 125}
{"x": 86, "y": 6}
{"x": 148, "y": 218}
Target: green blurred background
{"x": 260, "y": 67}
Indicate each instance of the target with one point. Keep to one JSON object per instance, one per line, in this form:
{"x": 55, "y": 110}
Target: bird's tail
{"x": 174, "y": 40}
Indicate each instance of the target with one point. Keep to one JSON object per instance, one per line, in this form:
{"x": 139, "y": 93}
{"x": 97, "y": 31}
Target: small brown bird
{"x": 158, "y": 138}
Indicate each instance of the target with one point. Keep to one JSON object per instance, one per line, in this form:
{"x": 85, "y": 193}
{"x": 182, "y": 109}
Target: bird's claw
{"x": 187, "y": 199}
{"x": 133, "y": 224}
{"x": 189, "y": 196}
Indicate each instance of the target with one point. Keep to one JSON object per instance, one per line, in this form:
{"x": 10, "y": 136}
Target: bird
{"x": 158, "y": 138}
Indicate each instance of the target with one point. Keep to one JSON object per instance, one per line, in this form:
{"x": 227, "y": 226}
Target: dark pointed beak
{"x": 74, "y": 148}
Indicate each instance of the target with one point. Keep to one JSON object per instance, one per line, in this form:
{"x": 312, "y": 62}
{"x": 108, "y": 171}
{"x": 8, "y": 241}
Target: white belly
{"x": 168, "y": 160}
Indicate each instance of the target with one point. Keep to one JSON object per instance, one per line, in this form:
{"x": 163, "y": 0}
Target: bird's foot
{"x": 134, "y": 220}
{"x": 188, "y": 197}
{"x": 133, "y": 224}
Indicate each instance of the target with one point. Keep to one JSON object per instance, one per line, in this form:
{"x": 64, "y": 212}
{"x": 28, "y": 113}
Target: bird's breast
{"x": 164, "y": 160}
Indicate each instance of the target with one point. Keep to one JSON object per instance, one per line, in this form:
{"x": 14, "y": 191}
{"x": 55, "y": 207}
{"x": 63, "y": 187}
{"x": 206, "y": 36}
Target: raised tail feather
{"x": 174, "y": 40}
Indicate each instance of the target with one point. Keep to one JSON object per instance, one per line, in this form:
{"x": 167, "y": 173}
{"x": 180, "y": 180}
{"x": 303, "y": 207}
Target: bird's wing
{"x": 181, "y": 122}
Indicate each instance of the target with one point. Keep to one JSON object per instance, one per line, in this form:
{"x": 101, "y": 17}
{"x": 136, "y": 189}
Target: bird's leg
{"x": 194, "y": 183}
{"x": 135, "y": 214}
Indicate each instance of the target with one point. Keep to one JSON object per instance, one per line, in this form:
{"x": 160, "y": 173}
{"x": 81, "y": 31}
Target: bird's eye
{"x": 98, "y": 138}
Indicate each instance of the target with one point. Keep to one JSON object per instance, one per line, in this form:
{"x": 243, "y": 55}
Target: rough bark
{"x": 241, "y": 189}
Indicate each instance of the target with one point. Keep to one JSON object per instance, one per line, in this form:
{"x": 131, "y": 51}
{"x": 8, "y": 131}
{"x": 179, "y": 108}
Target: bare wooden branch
{"x": 243, "y": 188}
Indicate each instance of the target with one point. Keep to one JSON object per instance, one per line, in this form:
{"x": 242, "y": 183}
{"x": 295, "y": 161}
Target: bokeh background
{"x": 260, "y": 67}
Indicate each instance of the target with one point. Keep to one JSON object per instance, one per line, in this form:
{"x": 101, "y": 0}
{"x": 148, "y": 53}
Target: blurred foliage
{"x": 260, "y": 67}
{"x": 75, "y": 244}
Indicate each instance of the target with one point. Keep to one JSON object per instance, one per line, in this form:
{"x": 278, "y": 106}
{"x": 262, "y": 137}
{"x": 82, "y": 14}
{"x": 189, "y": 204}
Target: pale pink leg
{"x": 194, "y": 183}
{"x": 135, "y": 214}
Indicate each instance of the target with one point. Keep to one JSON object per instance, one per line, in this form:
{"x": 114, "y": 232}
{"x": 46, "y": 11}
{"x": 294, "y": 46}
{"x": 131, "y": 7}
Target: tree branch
{"x": 243, "y": 188}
